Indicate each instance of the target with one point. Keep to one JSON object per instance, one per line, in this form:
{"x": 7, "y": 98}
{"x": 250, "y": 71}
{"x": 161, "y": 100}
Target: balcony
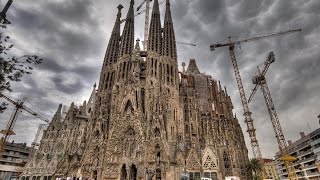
{"x": 315, "y": 142}
{"x": 313, "y": 174}
{"x": 13, "y": 155}
{"x": 305, "y": 153}
{"x": 17, "y": 161}
{"x": 311, "y": 158}
{"x": 17, "y": 149}
{"x": 309, "y": 167}
{"x": 304, "y": 145}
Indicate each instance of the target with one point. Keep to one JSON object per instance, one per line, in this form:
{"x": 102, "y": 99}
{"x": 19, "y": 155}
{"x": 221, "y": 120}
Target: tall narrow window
{"x": 142, "y": 100}
{"x": 123, "y": 173}
{"x": 137, "y": 101}
{"x": 226, "y": 163}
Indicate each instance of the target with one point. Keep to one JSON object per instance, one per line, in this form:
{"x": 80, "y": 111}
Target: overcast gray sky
{"x": 71, "y": 36}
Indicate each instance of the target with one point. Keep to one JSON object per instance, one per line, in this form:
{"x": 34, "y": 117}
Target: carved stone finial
{"x": 137, "y": 44}
{"x": 225, "y": 89}
{"x": 120, "y": 7}
{"x": 183, "y": 67}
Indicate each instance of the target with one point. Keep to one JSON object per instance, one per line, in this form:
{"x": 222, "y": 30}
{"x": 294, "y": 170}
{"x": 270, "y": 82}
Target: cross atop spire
{"x": 127, "y": 38}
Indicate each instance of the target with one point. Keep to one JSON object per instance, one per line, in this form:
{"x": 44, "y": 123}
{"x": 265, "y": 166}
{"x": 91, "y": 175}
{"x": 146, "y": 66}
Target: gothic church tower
{"x": 147, "y": 122}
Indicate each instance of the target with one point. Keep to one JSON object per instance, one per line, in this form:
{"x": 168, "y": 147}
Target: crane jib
{"x": 213, "y": 46}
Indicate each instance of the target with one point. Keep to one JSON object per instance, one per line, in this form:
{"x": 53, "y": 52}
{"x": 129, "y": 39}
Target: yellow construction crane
{"x": 19, "y": 106}
{"x": 260, "y": 81}
{"x": 247, "y": 114}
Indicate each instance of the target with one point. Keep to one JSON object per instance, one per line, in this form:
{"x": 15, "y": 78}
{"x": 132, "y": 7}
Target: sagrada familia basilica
{"x": 145, "y": 119}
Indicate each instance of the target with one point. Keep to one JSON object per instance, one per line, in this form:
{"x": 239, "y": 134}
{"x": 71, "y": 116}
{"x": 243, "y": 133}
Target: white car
{"x": 206, "y": 179}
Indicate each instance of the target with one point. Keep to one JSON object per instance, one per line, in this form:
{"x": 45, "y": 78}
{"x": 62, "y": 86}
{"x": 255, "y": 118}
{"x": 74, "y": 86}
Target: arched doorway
{"x": 133, "y": 172}
{"x": 123, "y": 173}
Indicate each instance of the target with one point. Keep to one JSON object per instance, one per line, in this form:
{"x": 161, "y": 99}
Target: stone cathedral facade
{"x": 146, "y": 120}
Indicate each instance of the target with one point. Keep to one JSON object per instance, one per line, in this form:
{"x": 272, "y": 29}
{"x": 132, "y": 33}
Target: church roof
{"x": 193, "y": 68}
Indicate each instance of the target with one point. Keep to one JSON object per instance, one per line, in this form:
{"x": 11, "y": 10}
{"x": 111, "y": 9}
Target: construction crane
{"x": 35, "y": 144}
{"x": 260, "y": 81}
{"x": 247, "y": 114}
{"x": 3, "y": 13}
{"x": 19, "y": 106}
{"x": 190, "y": 44}
{"x": 139, "y": 13}
{"x": 146, "y": 23}
{"x": 147, "y": 19}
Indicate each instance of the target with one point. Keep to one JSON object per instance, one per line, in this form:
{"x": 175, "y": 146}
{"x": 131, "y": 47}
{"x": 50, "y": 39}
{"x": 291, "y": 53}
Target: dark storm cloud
{"x": 66, "y": 36}
{"x": 67, "y": 88}
{"x": 71, "y": 37}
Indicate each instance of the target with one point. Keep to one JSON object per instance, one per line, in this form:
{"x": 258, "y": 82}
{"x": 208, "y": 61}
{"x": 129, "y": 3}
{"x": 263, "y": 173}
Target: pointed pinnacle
{"x": 120, "y": 7}
{"x": 137, "y": 44}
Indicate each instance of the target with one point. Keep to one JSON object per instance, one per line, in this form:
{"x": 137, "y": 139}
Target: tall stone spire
{"x": 111, "y": 55}
{"x": 193, "y": 68}
{"x": 113, "y": 46}
{"x": 169, "y": 40}
{"x": 127, "y": 38}
{"x": 154, "y": 40}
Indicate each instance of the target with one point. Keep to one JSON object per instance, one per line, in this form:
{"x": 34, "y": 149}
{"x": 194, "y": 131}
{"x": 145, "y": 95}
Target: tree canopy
{"x": 256, "y": 166}
{"x": 13, "y": 68}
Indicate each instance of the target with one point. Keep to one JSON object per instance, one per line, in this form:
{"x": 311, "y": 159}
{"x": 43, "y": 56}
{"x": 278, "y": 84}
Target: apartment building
{"x": 13, "y": 159}
{"x": 307, "y": 152}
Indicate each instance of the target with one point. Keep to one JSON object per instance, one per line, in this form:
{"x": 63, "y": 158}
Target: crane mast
{"x": 260, "y": 81}
{"x": 146, "y": 26}
{"x": 247, "y": 114}
{"x": 9, "y": 129}
{"x": 39, "y": 133}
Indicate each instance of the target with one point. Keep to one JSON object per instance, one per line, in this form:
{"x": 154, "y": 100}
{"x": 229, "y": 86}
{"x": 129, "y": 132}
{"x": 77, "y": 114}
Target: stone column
{"x": 128, "y": 168}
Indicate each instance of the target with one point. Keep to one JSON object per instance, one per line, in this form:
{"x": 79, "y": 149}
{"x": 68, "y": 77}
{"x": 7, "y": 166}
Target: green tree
{"x": 256, "y": 168}
{"x": 12, "y": 68}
